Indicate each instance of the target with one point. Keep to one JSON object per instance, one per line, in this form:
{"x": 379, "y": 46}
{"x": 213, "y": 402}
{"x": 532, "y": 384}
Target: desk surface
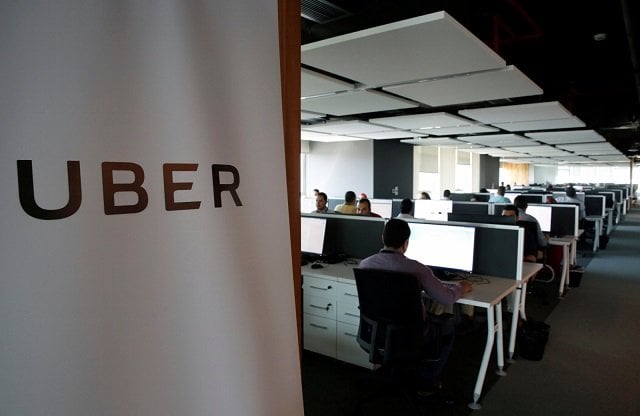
{"x": 482, "y": 295}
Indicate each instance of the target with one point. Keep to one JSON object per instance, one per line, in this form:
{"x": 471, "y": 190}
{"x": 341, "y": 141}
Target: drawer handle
{"x": 352, "y": 314}
{"x": 349, "y": 334}
{"x": 318, "y": 326}
{"x": 320, "y": 288}
{"x": 326, "y": 308}
{"x": 350, "y": 294}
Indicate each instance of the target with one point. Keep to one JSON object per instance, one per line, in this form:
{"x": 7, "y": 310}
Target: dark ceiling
{"x": 582, "y": 54}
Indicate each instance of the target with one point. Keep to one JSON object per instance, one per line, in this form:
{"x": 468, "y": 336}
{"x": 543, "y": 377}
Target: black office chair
{"x": 392, "y": 331}
{"x": 532, "y": 250}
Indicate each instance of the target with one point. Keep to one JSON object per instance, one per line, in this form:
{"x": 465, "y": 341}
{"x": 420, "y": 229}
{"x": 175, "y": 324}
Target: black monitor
{"x": 564, "y": 219}
{"x": 442, "y": 246}
{"x": 353, "y": 236}
{"x": 312, "y": 232}
{"x": 595, "y": 205}
{"x": 460, "y": 196}
{"x": 483, "y": 219}
{"x": 534, "y": 198}
{"x": 470, "y": 207}
{"x": 482, "y": 196}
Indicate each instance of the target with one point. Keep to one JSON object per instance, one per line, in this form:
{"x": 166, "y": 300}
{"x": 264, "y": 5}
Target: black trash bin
{"x": 532, "y": 339}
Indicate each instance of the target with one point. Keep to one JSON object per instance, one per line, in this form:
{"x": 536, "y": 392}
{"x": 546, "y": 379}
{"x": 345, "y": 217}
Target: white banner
{"x": 145, "y": 265}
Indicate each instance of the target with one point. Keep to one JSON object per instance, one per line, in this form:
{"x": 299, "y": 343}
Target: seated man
{"x": 395, "y": 238}
{"x": 349, "y": 205}
{"x": 499, "y": 196}
{"x": 570, "y": 196}
{"x": 364, "y": 208}
{"x": 406, "y": 206}
{"x": 321, "y": 204}
{"x": 521, "y": 203}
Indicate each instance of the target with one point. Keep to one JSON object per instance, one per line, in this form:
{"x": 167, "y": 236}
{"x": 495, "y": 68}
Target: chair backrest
{"x": 391, "y": 316}
{"x": 530, "y": 238}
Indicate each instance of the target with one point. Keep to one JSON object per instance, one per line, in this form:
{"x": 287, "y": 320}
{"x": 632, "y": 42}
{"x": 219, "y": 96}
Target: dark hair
{"x": 395, "y": 233}
{"x": 501, "y": 190}
{"x": 571, "y": 192}
{"x": 350, "y": 197}
{"x": 323, "y": 195}
{"x": 365, "y": 201}
{"x": 509, "y": 207}
{"x": 406, "y": 205}
{"x": 520, "y": 202}
{"x": 446, "y": 193}
{"x": 484, "y": 191}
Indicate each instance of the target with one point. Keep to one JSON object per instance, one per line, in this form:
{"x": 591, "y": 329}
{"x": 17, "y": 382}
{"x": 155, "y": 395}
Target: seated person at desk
{"x": 349, "y": 205}
{"x": 521, "y": 203}
{"x": 499, "y": 196}
{"x": 364, "y": 208}
{"x": 570, "y": 196}
{"x": 424, "y": 195}
{"x": 321, "y": 204}
{"x": 395, "y": 238}
{"x": 406, "y": 205}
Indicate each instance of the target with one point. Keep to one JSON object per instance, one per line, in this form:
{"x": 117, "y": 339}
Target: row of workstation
{"x": 489, "y": 255}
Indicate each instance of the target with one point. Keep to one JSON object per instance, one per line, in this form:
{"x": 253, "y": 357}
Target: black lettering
{"x": 170, "y": 187}
{"x": 27, "y": 193}
{"x": 218, "y": 187}
{"x": 109, "y": 189}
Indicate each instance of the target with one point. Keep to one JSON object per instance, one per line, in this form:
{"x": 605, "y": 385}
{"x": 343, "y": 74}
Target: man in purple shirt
{"x": 395, "y": 238}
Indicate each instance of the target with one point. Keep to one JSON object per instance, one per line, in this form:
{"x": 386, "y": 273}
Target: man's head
{"x": 396, "y": 233}
{"x": 321, "y": 201}
{"x": 406, "y": 205}
{"x": 350, "y": 197}
{"x": 571, "y": 192}
{"x": 510, "y": 211}
{"x": 364, "y": 207}
{"x": 521, "y": 203}
{"x": 501, "y": 190}
{"x": 446, "y": 193}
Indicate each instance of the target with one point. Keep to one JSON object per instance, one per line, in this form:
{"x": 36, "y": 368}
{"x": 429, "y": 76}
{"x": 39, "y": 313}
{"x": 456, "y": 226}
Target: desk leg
{"x": 491, "y": 333}
{"x": 565, "y": 270}
{"x": 520, "y": 300}
{"x": 499, "y": 339}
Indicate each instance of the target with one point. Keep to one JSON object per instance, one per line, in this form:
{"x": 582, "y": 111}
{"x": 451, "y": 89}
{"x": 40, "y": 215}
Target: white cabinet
{"x": 331, "y": 318}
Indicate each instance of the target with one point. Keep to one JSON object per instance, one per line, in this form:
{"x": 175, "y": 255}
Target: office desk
{"x": 566, "y": 243}
{"x": 609, "y": 212}
{"x": 598, "y": 221}
{"x": 529, "y": 270}
{"x": 332, "y": 298}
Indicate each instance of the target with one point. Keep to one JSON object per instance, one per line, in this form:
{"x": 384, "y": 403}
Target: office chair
{"x": 392, "y": 331}
{"x": 531, "y": 250}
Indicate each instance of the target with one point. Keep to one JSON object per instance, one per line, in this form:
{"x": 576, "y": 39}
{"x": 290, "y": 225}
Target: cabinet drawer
{"x": 319, "y": 306}
{"x": 319, "y": 335}
{"x": 315, "y": 286}
{"x": 346, "y": 293}
{"x": 348, "y": 349}
{"x": 349, "y": 313}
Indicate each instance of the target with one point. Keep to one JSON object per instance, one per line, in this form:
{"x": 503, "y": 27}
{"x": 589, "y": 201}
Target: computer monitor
{"x": 542, "y": 213}
{"x": 382, "y": 207}
{"x": 432, "y": 209}
{"x": 445, "y": 246}
{"x": 312, "y": 232}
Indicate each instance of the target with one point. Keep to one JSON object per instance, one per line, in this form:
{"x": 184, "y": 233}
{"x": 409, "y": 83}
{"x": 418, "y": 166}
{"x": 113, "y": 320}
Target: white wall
{"x": 544, "y": 174}
{"x": 335, "y": 168}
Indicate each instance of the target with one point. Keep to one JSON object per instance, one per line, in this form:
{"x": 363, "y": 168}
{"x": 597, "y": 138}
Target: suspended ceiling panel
{"x": 604, "y": 148}
{"x": 432, "y": 45}
{"x": 518, "y": 113}
{"x": 550, "y": 124}
{"x": 567, "y": 137}
{"x": 305, "y": 115}
{"x": 313, "y": 83}
{"x": 498, "y": 140}
{"x": 470, "y": 129}
{"x": 393, "y": 134}
{"x": 534, "y": 160}
{"x": 347, "y": 127}
{"x": 483, "y": 86}
{"x": 539, "y": 150}
{"x": 492, "y": 151}
{"x": 423, "y": 121}
{"x": 313, "y": 136}
{"x": 610, "y": 158}
{"x": 354, "y": 103}
{"x": 440, "y": 141}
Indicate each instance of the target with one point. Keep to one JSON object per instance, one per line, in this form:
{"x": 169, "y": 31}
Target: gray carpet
{"x": 591, "y": 364}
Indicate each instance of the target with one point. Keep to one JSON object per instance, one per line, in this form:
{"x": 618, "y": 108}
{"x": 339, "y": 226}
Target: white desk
{"x": 566, "y": 243}
{"x": 609, "y": 212}
{"x": 488, "y": 296}
{"x": 598, "y": 221}
{"x": 520, "y": 296}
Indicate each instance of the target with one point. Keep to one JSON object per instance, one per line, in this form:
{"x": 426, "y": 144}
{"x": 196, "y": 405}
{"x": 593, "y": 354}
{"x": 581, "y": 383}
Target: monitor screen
{"x": 542, "y": 213}
{"x": 381, "y": 207}
{"x": 312, "y": 234}
{"x": 431, "y": 209}
{"x": 438, "y": 245}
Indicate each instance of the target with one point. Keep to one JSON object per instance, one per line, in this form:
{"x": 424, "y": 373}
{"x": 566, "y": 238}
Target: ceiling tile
{"x": 346, "y": 127}
{"x": 355, "y": 102}
{"x": 517, "y": 113}
{"x": 423, "y": 121}
{"x": 470, "y": 129}
{"x": 564, "y": 123}
{"x": 498, "y": 140}
{"x": 567, "y": 137}
{"x": 314, "y": 83}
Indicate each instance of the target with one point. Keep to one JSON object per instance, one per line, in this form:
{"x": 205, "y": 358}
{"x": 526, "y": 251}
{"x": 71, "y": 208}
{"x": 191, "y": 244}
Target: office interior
{"x": 392, "y": 134}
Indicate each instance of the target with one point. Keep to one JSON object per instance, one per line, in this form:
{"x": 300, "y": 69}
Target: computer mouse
{"x": 317, "y": 266}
